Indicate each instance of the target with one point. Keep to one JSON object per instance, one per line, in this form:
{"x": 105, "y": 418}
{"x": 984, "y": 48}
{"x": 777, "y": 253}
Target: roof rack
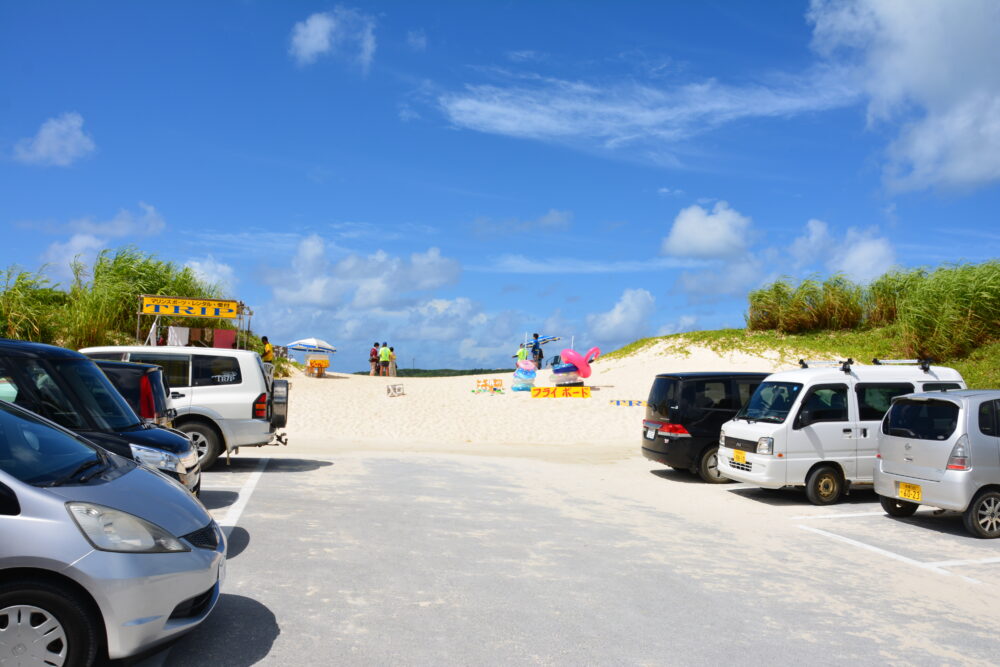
{"x": 924, "y": 364}
{"x": 845, "y": 365}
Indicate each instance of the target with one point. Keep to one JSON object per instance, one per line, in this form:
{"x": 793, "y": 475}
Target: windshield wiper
{"x": 80, "y": 469}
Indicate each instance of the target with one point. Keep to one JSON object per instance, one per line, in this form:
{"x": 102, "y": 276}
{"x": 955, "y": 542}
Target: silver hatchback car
{"x": 99, "y": 556}
{"x": 943, "y": 449}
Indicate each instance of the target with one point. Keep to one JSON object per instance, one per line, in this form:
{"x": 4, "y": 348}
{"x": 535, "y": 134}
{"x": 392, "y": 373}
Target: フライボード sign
{"x": 560, "y": 392}
{"x": 179, "y": 306}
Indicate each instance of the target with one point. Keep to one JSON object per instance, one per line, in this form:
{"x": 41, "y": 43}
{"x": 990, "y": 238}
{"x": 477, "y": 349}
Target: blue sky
{"x": 449, "y": 176}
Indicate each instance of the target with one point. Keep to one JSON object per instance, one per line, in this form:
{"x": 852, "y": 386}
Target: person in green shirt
{"x": 383, "y": 359}
{"x": 522, "y": 353}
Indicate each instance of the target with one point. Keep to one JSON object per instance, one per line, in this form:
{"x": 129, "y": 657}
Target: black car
{"x": 69, "y": 389}
{"x": 685, "y": 413}
{"x": 144, "y": 388}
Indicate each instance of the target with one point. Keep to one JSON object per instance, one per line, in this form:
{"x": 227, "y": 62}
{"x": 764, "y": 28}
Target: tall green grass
{"x": 943, "y": 313}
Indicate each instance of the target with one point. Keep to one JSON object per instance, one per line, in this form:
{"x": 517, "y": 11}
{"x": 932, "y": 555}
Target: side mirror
{"x": 8, "y": 502}
{"x": 804, "y": 418}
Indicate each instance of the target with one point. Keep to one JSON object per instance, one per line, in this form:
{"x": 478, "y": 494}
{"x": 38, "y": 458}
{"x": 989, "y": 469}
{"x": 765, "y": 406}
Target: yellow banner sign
{"x": 560, "y": 392}
{"x": 179, "y": 306}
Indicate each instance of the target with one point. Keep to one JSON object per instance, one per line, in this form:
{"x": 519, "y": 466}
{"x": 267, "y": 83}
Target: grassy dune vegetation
{"x": 950, "y": 314}
{"x": 99, "y": 307}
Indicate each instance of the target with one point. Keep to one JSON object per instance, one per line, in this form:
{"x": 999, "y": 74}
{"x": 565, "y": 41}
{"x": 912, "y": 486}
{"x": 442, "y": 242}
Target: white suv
{"x": 225, "y": 399}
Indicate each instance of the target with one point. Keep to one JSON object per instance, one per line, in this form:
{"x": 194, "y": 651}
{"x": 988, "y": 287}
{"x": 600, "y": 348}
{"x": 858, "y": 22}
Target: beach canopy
{"x": 312, "y": 345}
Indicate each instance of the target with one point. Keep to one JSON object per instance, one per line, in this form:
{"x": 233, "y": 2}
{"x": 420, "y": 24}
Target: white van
{"x": 225, "y": 399}
{"x": 817, "y": 426}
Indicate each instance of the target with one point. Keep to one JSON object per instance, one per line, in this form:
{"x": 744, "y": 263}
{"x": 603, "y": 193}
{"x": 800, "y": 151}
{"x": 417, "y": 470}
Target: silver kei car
{"x": 99, "y": 556}
{"x": 943, "y": 449}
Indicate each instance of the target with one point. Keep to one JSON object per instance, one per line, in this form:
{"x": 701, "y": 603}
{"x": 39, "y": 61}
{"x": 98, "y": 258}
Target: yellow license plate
{"x": 739, "y": 456}
{"x": 909, "y": 491}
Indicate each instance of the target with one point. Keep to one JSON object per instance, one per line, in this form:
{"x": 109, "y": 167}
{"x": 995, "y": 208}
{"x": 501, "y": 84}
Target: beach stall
{"x": 317, "y": 354}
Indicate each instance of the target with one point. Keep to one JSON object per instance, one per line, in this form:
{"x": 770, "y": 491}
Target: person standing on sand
{"x": 392, "y": 362}
{"x": 268, "y": 355}
{"x": 373, "y": 359}
{"x": 536, "y": 352}
{"x": 383, "y": 359}
{"x": 522, "y": 354}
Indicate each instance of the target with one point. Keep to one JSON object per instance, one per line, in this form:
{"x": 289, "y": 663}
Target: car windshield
{"x": 40, "y": 454}
{"x": 93, "y": 389}
{"x": 771, "y": 402}
{"x": 923, "y": 420}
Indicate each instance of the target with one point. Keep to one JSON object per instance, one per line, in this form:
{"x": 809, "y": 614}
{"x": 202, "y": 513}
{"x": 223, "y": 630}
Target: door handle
{"x": 864, "y": 433}
{"x": 177, "y": 394}
{"x": 848, "y": 430}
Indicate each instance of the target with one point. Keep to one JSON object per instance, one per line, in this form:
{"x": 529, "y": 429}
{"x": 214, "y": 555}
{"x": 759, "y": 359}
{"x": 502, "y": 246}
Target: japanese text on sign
{"x": 489, "y": 384}
{"x": 560, "y": 392}
{"x": 172, "y": 305}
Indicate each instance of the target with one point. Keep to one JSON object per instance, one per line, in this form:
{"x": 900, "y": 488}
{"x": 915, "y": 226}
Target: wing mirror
{"x": 804, "y": 418}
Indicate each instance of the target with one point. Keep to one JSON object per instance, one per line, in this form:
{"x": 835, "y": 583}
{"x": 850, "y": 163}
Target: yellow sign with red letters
{"x": 184, "y": 307}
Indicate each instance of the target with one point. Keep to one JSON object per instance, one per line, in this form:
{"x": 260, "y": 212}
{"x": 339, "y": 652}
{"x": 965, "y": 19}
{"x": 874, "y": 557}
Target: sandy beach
{"x": 343, "y": 411}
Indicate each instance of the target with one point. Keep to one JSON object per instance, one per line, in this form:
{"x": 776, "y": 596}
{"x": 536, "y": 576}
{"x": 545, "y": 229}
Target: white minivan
{"x": 817, "y": 426}
{"x": 225, "y": 399}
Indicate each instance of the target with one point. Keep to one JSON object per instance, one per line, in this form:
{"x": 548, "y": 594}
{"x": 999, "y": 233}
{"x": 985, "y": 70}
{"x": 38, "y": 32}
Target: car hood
{"x": 159, "y": 438}
{"x": 739, "y": 428}
{"x": 146, "y": 494}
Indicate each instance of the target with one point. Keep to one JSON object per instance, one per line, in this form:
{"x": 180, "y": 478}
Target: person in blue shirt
{"x": 536, "y": 352}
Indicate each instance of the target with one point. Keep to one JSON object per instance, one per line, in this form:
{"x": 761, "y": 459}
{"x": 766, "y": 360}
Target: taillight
{"x": 147, "y": 407}
{"x": 664, "y": 428}
{"x": 959, "y": 459}
{"x": 260, "y": 407}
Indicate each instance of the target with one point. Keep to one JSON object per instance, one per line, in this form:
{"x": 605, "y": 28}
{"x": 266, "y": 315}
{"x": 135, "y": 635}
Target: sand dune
{"x": 442, "y": 414}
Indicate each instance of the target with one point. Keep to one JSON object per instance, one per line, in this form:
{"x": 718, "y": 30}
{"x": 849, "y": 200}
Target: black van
{"x": 69, "y": 389}
{"x": 685, "y": 413}
{"x": 144, "y": 388}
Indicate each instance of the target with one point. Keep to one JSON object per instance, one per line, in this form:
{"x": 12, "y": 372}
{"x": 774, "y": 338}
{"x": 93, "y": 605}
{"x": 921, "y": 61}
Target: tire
{"x": 982, "y": 518}
{"x": 898, "y": 508}
{"x": 206, "y": 440}
{"x": 824, "y": 486}
{"x": 33, "y": 608}
{"x": 708, "y": 467}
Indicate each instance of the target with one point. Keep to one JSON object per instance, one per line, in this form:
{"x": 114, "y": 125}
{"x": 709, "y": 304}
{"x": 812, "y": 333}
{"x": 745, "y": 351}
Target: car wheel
{"x": 982, "y": 518}
{"x": 45, "y": 624}
{"x": 824, "y": 486}
{"x": 205, "y": 440}
{"x": 708, "y": 467}
{"x": 898, "y": 508}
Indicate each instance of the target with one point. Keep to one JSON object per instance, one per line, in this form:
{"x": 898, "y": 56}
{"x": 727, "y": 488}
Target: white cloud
{"x": 342, "y": 31}
{"x": 862, "y": 255}
{"x": 79, "y": 247}
{"x": 696, "y": 232}
{"x": 60, "y": 141}
{"x": 146, "y": 222}
{"x": 806, "y": 249}
{"x": 682, "y": 324}
{"x": 416, "y": 40}
{"x": 214, "y": 272}
{"x": 553, "y": 221}
{"x": 365, "y": 282}
{"x": 546, "y": 108}
{"x": 928, "y": 65}
{"x": 571, "y": 265}
{"x": 669, "y": 192}
{"x": 627, "y": 320}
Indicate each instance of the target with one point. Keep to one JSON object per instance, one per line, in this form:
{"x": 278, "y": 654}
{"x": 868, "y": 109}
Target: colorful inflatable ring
{"x": 526, "y": 365}
{"x": 582, "y": 362}
{"x": 564, "y": 368}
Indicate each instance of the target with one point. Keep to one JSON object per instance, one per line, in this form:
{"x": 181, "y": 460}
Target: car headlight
{"x": 157, "y": 458}
{"x": 722, "y": 439}
{"x": 113, "y": 530}
{"x": 765, "y": 445}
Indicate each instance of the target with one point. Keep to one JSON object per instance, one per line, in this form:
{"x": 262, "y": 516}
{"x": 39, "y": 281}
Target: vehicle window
{"x": 874, "y": 399}
{"x": 106, "y": 356}
{"x": 771, "y": 402}
{"x": 987, "y": 418}
{"x": 744, "y": 390}
{"x": 53, "y": 401}
{"x": 826, "y": 404}
{"x": 177, "y": 367}
{"x": 704, "y": 394}
{"x": 661, "y": 395}
{"x": 93, "y": 389}
{"x": 208, "y": 371}
{"x": 924, "y": 420}
{"x": 8, "y": 388}
{"x": 35, "y": 452}
{"x": 941, "y": 386}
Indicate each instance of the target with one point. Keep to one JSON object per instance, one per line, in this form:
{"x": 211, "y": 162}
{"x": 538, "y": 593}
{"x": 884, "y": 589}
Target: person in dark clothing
{"x": 536, "y": 352}
{"x": 373, "y": 355}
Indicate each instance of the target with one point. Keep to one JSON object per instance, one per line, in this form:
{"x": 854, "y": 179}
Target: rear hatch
{"x": 662, "y": 395}
{"x": 918, "y": 435}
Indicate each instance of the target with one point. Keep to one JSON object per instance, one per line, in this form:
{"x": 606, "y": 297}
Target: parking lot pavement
{"x": 442, "y": 559}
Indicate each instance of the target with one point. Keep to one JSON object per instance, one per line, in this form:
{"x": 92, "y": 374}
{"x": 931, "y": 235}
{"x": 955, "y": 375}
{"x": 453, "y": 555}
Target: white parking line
{"x": 236, "y": 509}
{"x": 958, "y": 563}
{"x": 933, "y": 567}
